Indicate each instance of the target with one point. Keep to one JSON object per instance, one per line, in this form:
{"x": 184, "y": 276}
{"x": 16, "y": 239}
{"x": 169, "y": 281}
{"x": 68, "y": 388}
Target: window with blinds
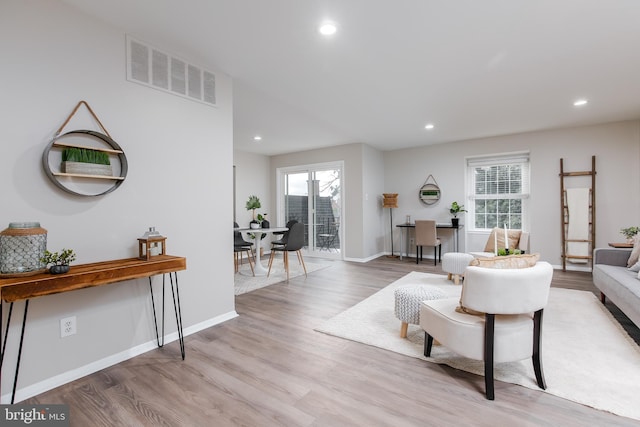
{"x": 498, "y": 191}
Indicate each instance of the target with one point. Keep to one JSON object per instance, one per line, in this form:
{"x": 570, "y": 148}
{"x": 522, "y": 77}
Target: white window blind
{"x": 498, "y": 191}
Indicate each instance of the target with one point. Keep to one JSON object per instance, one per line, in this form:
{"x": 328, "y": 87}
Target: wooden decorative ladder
{"x": 564, "y": 214}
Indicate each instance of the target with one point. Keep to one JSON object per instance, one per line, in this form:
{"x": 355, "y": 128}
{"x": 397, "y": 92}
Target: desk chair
{"x": 427, "y": 235}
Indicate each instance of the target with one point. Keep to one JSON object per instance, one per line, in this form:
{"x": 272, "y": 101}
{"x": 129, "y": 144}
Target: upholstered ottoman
{"x": 408, "y": 299}
{"x": 455, "y": 263}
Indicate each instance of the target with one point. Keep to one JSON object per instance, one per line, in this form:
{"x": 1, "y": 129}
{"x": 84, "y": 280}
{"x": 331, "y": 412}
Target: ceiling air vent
{"x": 151, "y": 67}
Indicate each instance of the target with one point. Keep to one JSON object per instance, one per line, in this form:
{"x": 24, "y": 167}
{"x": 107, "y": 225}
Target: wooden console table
{"x": 86, "y": 276}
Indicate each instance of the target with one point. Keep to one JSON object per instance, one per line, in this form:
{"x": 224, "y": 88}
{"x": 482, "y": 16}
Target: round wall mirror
{"x": 429, "y": 194}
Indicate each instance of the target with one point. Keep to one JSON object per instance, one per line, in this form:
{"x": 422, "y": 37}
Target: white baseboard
{"x": 572, "y": 268}
{"x": 370, "y": 258}
{"x": 74, "y": 374}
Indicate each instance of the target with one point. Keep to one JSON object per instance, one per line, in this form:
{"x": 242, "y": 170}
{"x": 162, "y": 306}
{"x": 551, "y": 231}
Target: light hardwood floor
{"x": 268, "y": 367}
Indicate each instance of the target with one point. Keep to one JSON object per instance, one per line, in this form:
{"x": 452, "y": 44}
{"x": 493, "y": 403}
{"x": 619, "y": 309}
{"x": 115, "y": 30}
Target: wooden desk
{"x": 406, "y": 227}
{"x": 86, "y": 276}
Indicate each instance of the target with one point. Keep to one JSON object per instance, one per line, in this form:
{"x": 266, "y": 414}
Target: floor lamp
{"x": 390, "y": 200}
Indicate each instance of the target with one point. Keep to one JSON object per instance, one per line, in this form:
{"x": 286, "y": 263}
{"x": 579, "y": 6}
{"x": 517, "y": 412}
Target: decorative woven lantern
{"x": 22, "y": 247}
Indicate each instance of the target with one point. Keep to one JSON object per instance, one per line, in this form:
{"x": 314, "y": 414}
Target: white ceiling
{"x": 473, "y": 68}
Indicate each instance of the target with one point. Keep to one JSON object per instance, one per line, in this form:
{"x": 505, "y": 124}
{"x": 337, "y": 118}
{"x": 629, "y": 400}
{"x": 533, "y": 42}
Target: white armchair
{"x": 513, "y": 300}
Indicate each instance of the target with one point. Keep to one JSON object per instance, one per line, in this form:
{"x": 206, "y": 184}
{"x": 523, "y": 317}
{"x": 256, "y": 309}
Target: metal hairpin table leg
{"x": 6, "y": 333}
{"x": 153, "y": 306}
{"x": 176, "y": 307}
{"x": 4, "y": 344}
{"x": 24, "y": 322}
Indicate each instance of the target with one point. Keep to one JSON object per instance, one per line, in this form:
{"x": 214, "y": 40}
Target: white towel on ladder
{"x": 578, "y": 227}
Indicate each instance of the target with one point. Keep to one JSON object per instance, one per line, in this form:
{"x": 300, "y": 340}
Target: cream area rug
{"x": 586, "y": 355}
{"x": 244, "y": 282}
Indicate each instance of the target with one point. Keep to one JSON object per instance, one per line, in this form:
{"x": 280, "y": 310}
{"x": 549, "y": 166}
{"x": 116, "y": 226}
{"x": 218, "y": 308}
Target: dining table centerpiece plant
{"x": 58, "y": 261}
{"x": 252, "y": 204}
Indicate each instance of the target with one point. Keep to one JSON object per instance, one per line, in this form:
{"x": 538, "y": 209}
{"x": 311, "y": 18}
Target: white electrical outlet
{"x": 67, "y": 326}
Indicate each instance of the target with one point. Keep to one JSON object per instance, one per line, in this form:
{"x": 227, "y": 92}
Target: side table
{"x": 621, "y": 245}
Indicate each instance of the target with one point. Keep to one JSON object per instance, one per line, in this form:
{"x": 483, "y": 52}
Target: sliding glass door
{"x": 312, "y": 195}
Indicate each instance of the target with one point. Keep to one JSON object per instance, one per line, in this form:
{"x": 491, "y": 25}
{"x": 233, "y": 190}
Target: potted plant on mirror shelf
{"x": 454, "y": 210}
{"x": 630, "y": 233}
{"x": 59, "y": 261}
{"x": 85, "y": 161}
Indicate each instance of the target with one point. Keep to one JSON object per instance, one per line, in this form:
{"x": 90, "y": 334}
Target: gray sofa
{"x": 616, "y": 282}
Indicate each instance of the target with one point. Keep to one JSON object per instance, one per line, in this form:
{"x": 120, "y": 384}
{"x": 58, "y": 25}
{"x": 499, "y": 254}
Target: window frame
{"x": 496, "y": 160}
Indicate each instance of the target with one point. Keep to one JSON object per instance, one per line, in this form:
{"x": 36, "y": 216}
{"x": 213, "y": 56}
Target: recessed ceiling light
{"x": 328, "y": 29}
{"x": 429, "y": 126}
{"x": 580, "y": 102}
{"x": 257, "y": 138}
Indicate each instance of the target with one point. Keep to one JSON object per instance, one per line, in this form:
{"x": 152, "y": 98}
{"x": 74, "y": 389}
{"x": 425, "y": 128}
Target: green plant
{"x": 262, "y": 217}
{"x": 65, "y": 257}
{"x": 252, "y": 204}
{"x": 629, "y": 232}
{"x": 503, "y": 252}
{"x": 85, "y": 155}
{"x": 455, "y": 209}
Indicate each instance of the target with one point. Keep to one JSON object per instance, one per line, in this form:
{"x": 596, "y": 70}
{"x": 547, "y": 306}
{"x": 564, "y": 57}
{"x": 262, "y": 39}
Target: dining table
{"x": 257, "y": 233}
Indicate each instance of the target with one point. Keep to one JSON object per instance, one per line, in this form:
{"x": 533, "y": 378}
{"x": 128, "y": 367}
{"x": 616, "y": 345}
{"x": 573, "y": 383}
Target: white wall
{"x": 615, "y": 145}
{"x": 373, "y": 218}
{"x": 180, "y": 180}
{"x": 252, "y": 178}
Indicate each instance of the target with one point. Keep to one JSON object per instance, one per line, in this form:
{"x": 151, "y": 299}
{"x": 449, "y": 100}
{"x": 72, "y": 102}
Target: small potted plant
{"x": 59, "y": 261}
{"x": 252, "y": 204}
{"x": 505, "y": 252}
{"x": 86, "y": 161}
{"x": 454, "y": 210}
{"x": 630, "y": 233}
{"x": 262, "y": 219}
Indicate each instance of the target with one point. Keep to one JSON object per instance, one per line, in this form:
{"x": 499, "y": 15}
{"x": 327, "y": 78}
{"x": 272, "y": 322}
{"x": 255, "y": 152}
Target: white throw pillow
{"x": 635, "y": 267}
{"x": 635, "y": 253}
{"x": 638, "y": 275}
